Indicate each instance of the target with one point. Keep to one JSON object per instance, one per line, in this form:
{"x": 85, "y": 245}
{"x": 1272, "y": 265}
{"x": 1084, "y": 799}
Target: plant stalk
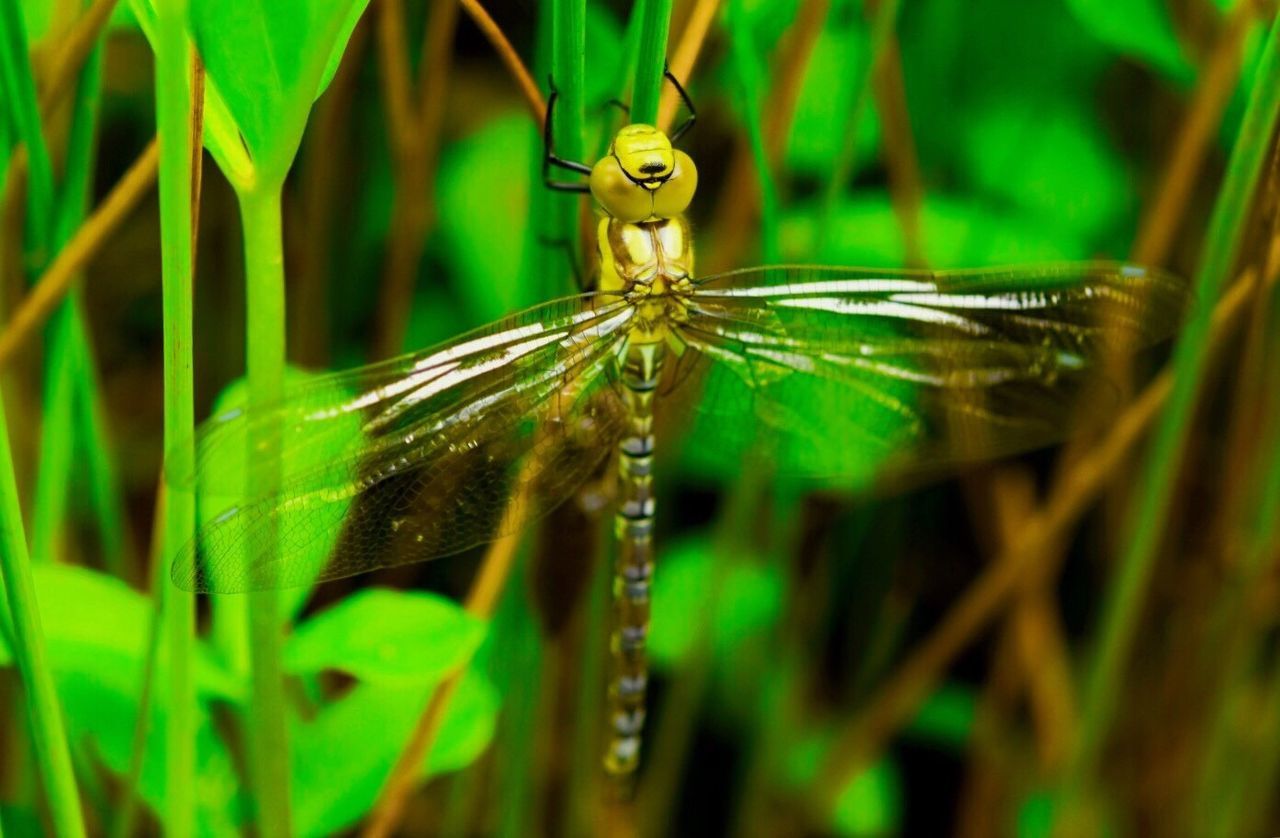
{"x": 53, "y": 758}
{"x": 260, "y": 211}
{"x": 1123, "y": 606}
{"x": 176, "y": 137}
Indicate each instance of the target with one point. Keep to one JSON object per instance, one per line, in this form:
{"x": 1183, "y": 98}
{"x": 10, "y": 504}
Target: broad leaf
{"x": 341, "y": 758}
{"x": 96, "y": 628}
{"x": 270, "y": 60}
{"x": 1137, "y": 28}
{"x": 383, "y": 635}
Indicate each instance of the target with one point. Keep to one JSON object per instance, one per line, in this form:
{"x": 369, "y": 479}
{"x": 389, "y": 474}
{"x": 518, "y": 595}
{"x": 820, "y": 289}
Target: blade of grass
{"x": 58, "y": 278}
{"x": 53, "y": 758}
{"x": 127, "y": 796}
{"x": 1124, "y": 598}
{"x": 750, "y": 76}
{"x": 655, "y": 24}
{"x": 176, "y": 134}
{"x": 20, "y": 93}
{"x": 568, "y": 63}
{"x": 882, "y": 27}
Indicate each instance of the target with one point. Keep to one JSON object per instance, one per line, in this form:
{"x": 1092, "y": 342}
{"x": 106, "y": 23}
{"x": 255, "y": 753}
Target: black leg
{"x": 550, "y": 159}
{"x": 688, "y": 103}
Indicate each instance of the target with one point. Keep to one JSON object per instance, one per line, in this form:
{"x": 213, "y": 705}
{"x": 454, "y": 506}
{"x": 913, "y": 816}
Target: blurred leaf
{"x": 383, "y": 635}
{"x": 824, "y": 102}
{"x": 342, "y": 758}
{"x": 1035, "y": 816}
{"x": 959, "y": 57}
{"x": 946, "y": 716}
{"x": 955, "y": 234}
{"x": 1051, "y": 161}
{"x": 230, "y": 471}
{"x": 871, "y": 803}
{"x": 271, "y": 60}
{"x": 97, "y": 630}
{"x": 37, "y": 18}
{"x": 96, "y": 625}
{"x": 748, "y": 601}
{"x": 1137, "y": 28}
{"x": 123, "y": 18}
{"x": 484, "y": 214}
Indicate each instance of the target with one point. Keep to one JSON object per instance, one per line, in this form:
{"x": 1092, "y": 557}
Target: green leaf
{"x": 955, "y": 233}
{"x": 270, "y": 60}
{"x": 946, "y": 716}
{"x": 1140, "y": 29}
{"x": 824, "y": 103}
{"x": 342, "y": 757}
{"x": 1052, "y": 161}
{"x": 97, "y": 626}
{"x": 385, "y": 635}
{"x": 97, "y": 629}
{"x": 748, "y": 602}
{"x": 484, "y": 214}
{"x": 871, "y": 802}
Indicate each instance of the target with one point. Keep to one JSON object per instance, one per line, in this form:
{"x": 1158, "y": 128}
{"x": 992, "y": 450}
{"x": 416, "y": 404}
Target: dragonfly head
{"x": 643, "y": 178}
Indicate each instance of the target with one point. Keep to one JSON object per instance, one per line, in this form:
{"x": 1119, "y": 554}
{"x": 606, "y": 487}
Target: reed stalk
{"x": 175, "y": 128}
{"x": 1122, "y": 607}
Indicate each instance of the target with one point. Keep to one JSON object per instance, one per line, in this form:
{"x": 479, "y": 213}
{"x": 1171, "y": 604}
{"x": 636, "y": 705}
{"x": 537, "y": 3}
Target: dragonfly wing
{"x": 853, "y": 371}
{"x": 412, "y": 458}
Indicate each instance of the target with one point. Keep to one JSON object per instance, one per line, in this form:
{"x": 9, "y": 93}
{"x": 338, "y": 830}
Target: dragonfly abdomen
{"x": 633, "y": 570}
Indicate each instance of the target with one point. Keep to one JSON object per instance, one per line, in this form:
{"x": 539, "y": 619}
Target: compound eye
{"x": 674, "y": 196}
{"x": 619, "y": 195}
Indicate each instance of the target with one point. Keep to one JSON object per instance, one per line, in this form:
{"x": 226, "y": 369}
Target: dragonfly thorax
{"x": 643, "y": 178}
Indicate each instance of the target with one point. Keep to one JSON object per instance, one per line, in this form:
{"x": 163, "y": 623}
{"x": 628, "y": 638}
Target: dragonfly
{"x": 419, "y": 457}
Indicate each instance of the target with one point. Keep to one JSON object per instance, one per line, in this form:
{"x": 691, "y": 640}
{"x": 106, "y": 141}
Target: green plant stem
{"x": 568, "y": 62}
{"x": 53, "y": 758}
{"x": 750, "y": 75}
{"x": 260, "y": 212}
{"x": 174, "y": 128}
{"x": 882, "y": 26}
{"x": 20, "y": 95}
{"x": 1123, "y": 606}
{"x": 655, "y": 24}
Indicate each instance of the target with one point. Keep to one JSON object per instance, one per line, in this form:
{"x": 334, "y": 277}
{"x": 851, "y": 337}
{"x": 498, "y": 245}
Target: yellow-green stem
{"x": 48, "y": 733}
{"x": 175, "y": 132}
{"x": 265, "y": 331}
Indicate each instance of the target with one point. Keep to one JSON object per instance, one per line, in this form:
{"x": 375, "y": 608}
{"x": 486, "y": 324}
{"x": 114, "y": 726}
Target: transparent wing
{"x": 411, "y": 458}
{"x": 852, "y": 371}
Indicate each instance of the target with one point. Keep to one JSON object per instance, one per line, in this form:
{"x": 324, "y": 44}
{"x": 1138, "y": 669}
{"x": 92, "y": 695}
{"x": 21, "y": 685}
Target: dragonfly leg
{"x": 550, "y": 158}
{"x": 688, "y": 103}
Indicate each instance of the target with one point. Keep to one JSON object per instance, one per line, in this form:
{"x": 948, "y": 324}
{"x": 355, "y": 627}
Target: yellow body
{"x": 644, "y": 186}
